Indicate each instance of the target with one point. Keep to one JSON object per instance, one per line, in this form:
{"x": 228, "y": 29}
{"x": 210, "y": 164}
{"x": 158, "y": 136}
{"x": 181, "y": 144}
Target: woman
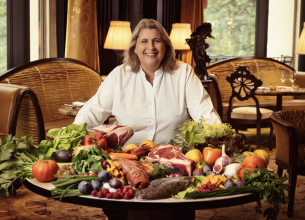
{"x": 151, "y": 92}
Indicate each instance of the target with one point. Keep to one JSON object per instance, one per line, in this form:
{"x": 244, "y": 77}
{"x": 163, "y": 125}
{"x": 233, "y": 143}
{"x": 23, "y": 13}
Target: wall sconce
{"x": 118, "y": 37}
{"x": 180, "y": 32}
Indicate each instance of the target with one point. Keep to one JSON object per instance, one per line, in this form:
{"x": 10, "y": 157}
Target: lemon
{"x": 149, "y": 143}
{"x": 194, "y": 155}
{"x": 130, "y": 147}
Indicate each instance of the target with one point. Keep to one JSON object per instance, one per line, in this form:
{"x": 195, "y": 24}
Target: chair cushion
{"x": 249, "y": 113}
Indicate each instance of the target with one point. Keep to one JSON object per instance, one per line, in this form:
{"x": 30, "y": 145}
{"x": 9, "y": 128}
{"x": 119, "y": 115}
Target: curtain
{"x": 81, "y": 37}
{"x": 192, "y": 12}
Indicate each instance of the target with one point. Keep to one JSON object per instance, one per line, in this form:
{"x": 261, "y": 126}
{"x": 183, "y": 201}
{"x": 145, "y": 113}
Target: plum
{"x": 103, "y": 176}
{"x": 96, "y": 184}
{"x": 104, "y": 164}
{"x": 239, "y": 183}
{"x": 229, "y": 183}
{"x": 115, "y": 183}
{"x": 85, "y": 187}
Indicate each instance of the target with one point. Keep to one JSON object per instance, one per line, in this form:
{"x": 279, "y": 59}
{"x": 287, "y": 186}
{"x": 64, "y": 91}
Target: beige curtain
{"x": 81, "y": 38}
{"x": 192, "y": 12}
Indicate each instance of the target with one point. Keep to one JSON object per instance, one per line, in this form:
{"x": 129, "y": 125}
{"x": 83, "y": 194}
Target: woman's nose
{"x": 152, "y": 45}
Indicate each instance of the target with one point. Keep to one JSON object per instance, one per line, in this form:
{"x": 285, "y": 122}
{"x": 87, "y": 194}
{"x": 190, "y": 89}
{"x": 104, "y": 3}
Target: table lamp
{"x": 180, "y": 32}
{"x": 301, "y": 44}
{"x": 118, "y": 37}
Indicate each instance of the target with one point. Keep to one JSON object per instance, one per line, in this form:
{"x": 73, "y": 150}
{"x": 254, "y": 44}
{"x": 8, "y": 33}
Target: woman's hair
{"x": 130, "y": 57}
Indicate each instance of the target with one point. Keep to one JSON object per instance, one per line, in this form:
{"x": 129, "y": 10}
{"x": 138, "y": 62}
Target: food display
{"x": 204, "y": 160}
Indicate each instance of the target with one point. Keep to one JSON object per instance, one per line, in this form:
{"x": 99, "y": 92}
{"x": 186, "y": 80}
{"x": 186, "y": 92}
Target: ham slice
{"x": 172, "y": 157}
{"x": 114, "y": 134}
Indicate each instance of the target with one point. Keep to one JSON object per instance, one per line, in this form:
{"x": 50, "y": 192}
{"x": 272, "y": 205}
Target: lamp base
{"x": 118, "y": 57}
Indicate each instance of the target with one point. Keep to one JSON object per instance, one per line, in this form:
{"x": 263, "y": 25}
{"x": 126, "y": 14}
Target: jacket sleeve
{"x": 198, "y": 100}
{"x": 99, "y": 107}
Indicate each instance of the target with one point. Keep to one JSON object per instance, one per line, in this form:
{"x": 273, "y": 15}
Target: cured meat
{"x": 114, "y": 134}
{"x": 172, "y": 157}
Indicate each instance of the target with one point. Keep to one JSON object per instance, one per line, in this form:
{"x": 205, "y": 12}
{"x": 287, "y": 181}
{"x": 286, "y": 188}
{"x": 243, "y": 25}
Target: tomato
{"x": 44, "y": 170}
{"x": 94, "y": 174}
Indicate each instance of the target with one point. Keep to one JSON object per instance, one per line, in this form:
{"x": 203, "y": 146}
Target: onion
{"x": 224, "y": 159}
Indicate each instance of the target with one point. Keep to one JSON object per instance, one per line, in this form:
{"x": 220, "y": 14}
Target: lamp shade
{"x": 301, "y": 44}
{"x": 179, "y": 33}
{"x": 118, "y": 36}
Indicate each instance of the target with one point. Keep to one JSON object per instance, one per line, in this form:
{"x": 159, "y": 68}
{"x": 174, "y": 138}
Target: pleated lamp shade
{"x": 179, "y": 33}
{"x": 301, "y": 44}
{"x": 118, "y": 36}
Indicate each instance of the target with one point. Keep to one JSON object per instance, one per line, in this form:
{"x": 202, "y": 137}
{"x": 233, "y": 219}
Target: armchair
{"x": 289, "y": 128}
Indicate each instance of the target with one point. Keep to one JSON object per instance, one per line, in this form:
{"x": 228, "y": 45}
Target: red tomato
{"x": 44, "y": 170}
{"x": 94, "y": 174}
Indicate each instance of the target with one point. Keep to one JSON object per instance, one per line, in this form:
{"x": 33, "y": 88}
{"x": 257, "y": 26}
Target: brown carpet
{"x": 28, "y": 205}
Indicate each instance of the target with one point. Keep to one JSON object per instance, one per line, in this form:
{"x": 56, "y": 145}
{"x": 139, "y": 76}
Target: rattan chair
{"x": 263, "y": 68}
{"x": 11, "y": 97}
{"x": 56, "y": 81}
{"x": 289, "y": 129}
{"x": 243, "y": 85}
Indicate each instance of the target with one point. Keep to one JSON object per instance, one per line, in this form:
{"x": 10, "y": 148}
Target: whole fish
{"x": 134, "y": 173}
{"x": 163, "y": 188}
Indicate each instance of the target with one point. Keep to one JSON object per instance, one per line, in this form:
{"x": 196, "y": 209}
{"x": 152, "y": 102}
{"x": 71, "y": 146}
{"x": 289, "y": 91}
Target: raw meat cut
{"x": 114, "y": 134}
{"x": 172, "y": 157}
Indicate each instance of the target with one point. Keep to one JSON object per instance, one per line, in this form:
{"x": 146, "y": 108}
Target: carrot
{"x": 123, "y": 155}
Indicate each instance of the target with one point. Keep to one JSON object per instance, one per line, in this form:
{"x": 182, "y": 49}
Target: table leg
{"x": 279, "y": 102}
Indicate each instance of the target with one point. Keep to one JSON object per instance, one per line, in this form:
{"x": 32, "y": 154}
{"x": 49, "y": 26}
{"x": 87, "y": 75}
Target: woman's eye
{"x": 157, "y": 40}
{"x": 144, "y": 41}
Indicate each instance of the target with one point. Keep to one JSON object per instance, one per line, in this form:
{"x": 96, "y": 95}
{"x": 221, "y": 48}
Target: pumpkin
{"x": 252, "y": 161}
{"x": 44, "y": 170}
{"x": 249, "y": 153}
{"x": 210, "y": 155}
{"x": 263, "y": 154}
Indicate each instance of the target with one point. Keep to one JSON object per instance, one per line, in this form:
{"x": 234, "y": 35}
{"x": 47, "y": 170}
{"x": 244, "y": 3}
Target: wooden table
{"x": 147, "y": 209}
{"x": 279, "y": 93}
{"x": 69, "y": 111}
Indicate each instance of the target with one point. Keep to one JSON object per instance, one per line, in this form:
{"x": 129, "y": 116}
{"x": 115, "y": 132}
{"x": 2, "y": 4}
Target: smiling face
{"x": 150, "y": 48}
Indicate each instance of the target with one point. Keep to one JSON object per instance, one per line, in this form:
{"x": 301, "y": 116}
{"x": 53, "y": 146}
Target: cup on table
{"x": 272, "y": 86}
{"x": 296, "y": 85}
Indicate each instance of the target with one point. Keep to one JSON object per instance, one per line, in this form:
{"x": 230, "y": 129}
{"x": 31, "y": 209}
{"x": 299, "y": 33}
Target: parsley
{"x": 272, "y": 189}
{"x": 17, "y": 157}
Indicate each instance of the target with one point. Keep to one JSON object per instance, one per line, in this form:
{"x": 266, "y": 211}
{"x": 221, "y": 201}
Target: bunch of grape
{"x": 206, "y": 188}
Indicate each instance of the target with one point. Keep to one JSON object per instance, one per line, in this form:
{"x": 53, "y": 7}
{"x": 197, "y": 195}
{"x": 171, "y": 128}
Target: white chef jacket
{"x": 153, "y": 111}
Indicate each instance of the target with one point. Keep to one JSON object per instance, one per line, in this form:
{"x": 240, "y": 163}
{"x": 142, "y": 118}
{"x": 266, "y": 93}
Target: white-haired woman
{"x": 152, "y": 92}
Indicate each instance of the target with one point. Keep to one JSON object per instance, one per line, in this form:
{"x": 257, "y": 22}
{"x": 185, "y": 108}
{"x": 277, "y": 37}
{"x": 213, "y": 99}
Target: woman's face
{"x": 150, "y": 48}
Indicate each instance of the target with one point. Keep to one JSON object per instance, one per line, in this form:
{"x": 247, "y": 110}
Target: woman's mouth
{"x": 151, "y": 54}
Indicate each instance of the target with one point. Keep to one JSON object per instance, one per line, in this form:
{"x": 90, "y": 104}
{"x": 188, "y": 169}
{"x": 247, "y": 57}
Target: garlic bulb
{"x": 224, "y": 159}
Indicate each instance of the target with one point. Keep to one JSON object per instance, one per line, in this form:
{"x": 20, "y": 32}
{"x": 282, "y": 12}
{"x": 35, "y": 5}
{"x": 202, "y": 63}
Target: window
{"x": 233, "y": 25}
{"x": 3, "y": 37}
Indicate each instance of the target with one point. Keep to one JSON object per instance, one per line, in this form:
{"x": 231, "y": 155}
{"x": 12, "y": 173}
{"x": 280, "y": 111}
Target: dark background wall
{"x": 122, "y": 10}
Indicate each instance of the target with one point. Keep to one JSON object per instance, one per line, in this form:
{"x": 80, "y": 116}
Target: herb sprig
{"x": 272, "y": 189}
